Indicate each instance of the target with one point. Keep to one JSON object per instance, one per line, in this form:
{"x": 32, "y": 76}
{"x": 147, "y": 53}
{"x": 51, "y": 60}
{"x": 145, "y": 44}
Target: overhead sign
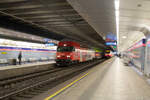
{"x": 46, "y": 39}
{"x": 111, "y": 43}
{"x": 50, "y": 41}
{"x": 3, "y": 52}
{"x": 50, "y": 44}
{"x": 111, "y": 37}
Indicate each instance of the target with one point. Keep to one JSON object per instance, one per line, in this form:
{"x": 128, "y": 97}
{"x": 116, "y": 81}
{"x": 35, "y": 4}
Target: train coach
{"x": 70, "y": 52}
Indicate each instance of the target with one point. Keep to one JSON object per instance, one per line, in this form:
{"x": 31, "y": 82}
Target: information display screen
{"x": 111, "y": 43}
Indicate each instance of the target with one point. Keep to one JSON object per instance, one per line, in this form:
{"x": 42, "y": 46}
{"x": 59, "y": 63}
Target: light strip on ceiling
{"x": 117, "y": 19}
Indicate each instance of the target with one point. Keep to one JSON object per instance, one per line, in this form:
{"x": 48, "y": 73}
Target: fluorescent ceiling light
{"x": 117, "y": 4}
{"x": 117, "y": 19}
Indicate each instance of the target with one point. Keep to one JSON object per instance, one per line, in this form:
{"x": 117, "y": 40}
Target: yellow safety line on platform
{"x": 69, "y": 85}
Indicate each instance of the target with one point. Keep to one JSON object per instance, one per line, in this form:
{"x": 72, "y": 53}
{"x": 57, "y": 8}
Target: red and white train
{"x": 108, "y": 54}
{"x": 69, "y": 52}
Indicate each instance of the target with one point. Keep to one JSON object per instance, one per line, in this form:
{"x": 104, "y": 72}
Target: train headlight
{"x": 58, "y": 56}
{"x": 68, "y": 56}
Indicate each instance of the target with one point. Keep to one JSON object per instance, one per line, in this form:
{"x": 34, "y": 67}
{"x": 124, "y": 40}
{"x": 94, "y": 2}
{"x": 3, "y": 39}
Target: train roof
{"x": 68, "y": 43}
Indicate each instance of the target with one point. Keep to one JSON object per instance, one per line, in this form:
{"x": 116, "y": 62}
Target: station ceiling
{"x": 134, "y": 17}
{"x": 54, "y": 16}
{"x": 84, "y": 20}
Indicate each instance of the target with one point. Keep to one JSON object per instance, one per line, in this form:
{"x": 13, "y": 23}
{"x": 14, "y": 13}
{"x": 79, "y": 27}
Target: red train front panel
{"x": 67, "y": 52}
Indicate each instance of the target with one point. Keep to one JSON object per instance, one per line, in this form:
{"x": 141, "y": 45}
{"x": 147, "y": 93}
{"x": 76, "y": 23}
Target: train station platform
{"x": 17, "y": 70}
{"x": 26, "y": 65}
{"x": 110, "y": 80}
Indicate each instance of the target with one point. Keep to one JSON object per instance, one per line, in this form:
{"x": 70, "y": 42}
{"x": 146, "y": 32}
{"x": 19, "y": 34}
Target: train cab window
{"x": 65, "y": 49}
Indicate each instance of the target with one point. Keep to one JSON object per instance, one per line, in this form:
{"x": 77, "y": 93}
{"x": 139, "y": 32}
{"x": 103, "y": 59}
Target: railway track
{"x": 28, "y": 86}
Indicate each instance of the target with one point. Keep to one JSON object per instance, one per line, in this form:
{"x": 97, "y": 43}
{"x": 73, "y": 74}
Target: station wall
{"x": 10, "y": 49}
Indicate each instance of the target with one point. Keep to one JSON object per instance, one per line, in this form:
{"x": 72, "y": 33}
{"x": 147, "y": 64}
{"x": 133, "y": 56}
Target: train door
{"x": 81, "y": 56}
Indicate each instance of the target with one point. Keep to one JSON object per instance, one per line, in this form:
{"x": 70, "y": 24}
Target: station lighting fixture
{"x": 68, "y": 56}
{"x": 117, "y": 19}
{"x": 58, "y": 56}
{"x": 124, "y": 37}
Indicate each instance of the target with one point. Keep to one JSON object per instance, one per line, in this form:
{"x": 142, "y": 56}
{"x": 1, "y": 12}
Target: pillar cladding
{"x": 143, "y": 55}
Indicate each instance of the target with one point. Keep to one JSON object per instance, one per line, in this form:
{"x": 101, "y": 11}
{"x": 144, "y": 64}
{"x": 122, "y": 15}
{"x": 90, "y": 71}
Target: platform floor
{"x": 26, "y": 65}
{"x": 111, "y": 80}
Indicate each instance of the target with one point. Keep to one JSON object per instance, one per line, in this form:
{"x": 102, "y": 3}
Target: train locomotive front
{"x": 67, "y": 53}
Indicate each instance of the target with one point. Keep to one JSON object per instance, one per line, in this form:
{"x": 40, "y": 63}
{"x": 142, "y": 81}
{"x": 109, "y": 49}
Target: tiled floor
{"x": 109, "y": 81}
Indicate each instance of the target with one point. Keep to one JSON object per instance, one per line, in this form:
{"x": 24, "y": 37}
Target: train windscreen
{"x": 65, "y": 49}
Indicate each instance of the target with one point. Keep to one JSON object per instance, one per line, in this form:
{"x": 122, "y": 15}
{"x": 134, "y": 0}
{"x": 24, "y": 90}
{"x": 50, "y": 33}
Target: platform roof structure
{"x": 83, "y": 20}
{"x": 52, "y": 18}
